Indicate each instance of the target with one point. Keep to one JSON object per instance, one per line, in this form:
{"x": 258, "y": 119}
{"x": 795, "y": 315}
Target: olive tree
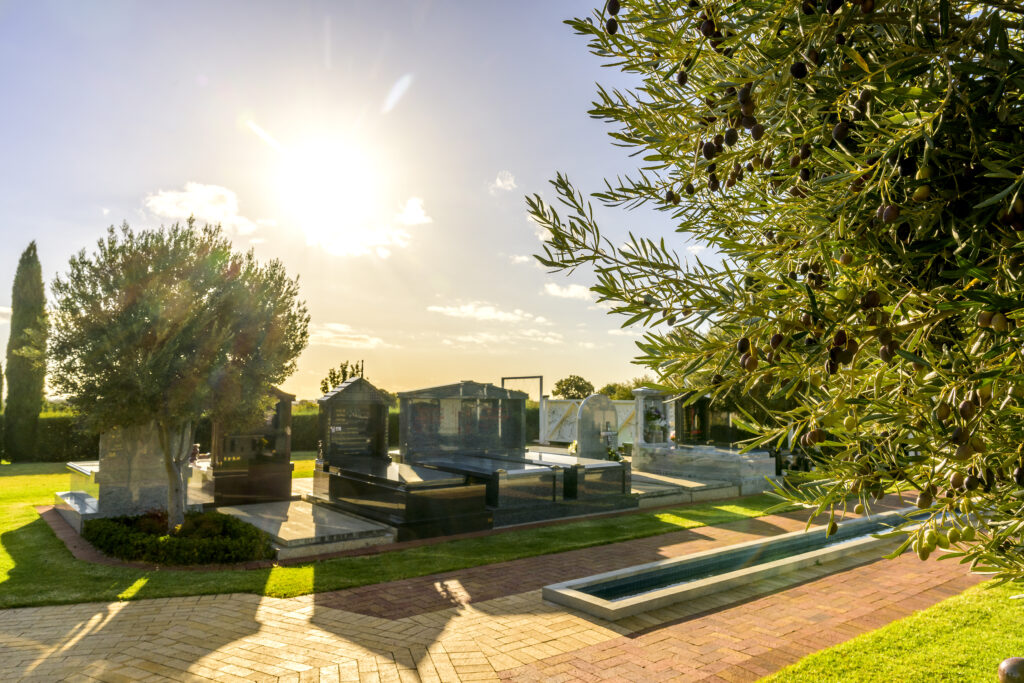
{"x": 161, "y": 326}
{"x": 858, "y": 167}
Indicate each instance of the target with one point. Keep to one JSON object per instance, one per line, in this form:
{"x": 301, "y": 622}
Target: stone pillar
{"x": 543, "y": 421}
{"x": 646, "y": 398}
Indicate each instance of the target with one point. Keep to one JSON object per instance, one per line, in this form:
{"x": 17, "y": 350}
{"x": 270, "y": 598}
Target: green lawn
{"x": 960, "y": 639}
{"x": 37, "y": 569}
{"x": 303, "y": 462}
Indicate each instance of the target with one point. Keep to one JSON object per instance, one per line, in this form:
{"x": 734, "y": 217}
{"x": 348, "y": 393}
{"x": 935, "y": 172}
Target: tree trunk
{"x": 176, "y": 443}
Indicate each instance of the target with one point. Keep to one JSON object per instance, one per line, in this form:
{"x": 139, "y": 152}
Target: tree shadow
{"x": 134, "y": 638}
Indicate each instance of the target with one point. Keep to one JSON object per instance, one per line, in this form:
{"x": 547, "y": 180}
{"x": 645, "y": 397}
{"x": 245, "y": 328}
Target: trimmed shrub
{"x": 204, "y": 538}
{"x": 62, "y": 439}
{"x": 305, "y": 432}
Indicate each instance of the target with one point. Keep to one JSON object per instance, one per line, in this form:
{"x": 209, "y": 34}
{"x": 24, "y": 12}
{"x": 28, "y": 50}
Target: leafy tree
{"x": 617, "y": 391}
{"x": 623, "y": 391}
{"x": 858, "y": 169}
{"x": 163, "y": 326}
{"x": 573, "y": 386}
{"x": 337, "y": 376}
{"x": 26, "y": 358}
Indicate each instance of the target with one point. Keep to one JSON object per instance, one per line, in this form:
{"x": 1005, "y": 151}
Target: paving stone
{"x": 482, "y": 623}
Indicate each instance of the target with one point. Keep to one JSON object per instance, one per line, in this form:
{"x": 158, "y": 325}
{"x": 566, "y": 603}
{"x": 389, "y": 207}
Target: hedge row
{"x": 62, "y": 439}
{"x": 205, "y": 538}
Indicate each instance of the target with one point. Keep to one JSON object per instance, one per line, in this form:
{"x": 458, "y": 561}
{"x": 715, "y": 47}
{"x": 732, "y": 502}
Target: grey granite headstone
{"x": 597, "y": 427}
{"x": 131, "y": 477}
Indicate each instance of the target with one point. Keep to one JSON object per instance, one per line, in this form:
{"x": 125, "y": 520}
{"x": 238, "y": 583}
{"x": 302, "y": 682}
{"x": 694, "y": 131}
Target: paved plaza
{"x": 485, "y": 623}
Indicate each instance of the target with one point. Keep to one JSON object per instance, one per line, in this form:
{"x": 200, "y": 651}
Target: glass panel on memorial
{"x": 487, "y": 425}
{"x": 512, "y": 416}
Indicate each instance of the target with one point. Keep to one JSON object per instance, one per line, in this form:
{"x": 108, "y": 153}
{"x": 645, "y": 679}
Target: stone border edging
{"x": 84, "y": 551}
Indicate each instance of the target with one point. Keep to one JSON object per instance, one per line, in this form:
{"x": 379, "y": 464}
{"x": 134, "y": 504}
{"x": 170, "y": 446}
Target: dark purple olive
{"x": 756, "y": 131}
{"x": 681, "y": 77}
{"x": 612, "y": 26}
{"x": 798, "y": 70}
{"x": 871, "y": 299}
{"x": 613, "y": 7}
{"x": 840, "y": 131}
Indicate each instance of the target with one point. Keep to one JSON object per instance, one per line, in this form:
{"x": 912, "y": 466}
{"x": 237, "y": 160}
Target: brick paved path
{"x": 485, "y": 623}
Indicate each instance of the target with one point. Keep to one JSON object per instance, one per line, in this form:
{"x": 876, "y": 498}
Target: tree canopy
{"x": 162, "y": 326}
{"x": 336, "y": 376}
{"x": 573, "y": 386}
{"x": 26, "y": 358}
{"x": 858, "y": 168}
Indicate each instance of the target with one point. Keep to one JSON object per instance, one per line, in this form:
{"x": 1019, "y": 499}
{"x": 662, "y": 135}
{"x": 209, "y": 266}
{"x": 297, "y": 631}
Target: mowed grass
{"x": 37, "y": 569}
{"x": 963, "y": 638}
{"x": 302, "y": 462}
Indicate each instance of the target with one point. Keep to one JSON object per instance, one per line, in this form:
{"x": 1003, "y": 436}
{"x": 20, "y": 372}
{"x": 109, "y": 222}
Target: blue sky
{"x": 381, "y": 150}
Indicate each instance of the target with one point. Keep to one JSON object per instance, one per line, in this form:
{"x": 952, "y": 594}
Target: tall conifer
{"x": 26, "y": 349}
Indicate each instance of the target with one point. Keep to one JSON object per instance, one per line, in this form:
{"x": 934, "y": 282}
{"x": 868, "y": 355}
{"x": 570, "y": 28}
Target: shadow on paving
{"x": 402, "y": 620}
{"x": 164, "y": 636}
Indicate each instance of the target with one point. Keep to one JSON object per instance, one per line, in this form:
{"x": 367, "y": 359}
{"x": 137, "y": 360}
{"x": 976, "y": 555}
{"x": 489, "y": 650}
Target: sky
{"x": 380, "y": 150}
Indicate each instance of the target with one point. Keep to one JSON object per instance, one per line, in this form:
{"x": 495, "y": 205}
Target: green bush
{"x": 62, "y": 439}
{"x": 305, "y": 431}
{"x": 204, "y": 538}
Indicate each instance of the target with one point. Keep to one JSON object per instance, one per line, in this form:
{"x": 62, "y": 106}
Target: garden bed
{"x": 204, "y": 538}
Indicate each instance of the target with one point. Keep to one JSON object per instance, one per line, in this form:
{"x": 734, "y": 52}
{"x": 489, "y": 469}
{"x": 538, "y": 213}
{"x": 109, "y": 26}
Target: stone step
{"x": 299, "y": 528}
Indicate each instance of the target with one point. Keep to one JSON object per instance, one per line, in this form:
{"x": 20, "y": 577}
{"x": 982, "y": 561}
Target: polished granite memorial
{"x": 462, "y": 465}
{"x": 253, "y": 465}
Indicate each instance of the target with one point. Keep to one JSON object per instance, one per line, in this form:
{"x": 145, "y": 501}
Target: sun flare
{"x": 332, "y": 190}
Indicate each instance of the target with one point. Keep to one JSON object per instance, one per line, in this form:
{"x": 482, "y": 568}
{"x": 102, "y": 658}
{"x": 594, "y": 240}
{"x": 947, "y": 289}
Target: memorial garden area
{"x": 822, "y": 478}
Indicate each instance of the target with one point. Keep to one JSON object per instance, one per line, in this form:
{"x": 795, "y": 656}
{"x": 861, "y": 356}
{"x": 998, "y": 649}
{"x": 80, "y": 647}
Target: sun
{"x": 332, "y": 189}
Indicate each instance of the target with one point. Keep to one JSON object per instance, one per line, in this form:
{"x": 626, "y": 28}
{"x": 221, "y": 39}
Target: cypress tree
{"x": 26, "y": 368}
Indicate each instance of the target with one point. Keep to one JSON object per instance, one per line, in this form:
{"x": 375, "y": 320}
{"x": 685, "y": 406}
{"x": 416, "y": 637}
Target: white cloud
{"x": 106, "y": 211}
{"x": 208, "y": 203}
{"x": 479, "y": 310}
{"x": 413, "y": 213}
{"x": 541, "y": 232}
{"x": 342, "y": 336}
{"x": 695, "y": 248}
{"x": 519, "y": 258}
{"x": 627, "y": 332}
{"x": 517, "y": 338}
{"x": 5, "y": 314}
{"x": 570, "y": 292}
{"x": 505, "y": 182}
{"x": 586, "y": 345}
{"x": 543, "y": 336}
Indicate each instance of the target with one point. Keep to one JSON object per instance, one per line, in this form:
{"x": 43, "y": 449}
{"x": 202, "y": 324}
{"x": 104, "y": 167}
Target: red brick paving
{"x": 737, "y": 638}
{"x": 747, "y": 640}
{"x": 424, "y": 594}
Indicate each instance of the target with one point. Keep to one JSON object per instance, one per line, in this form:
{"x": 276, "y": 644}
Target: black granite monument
{"x": 254, "y": 466}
